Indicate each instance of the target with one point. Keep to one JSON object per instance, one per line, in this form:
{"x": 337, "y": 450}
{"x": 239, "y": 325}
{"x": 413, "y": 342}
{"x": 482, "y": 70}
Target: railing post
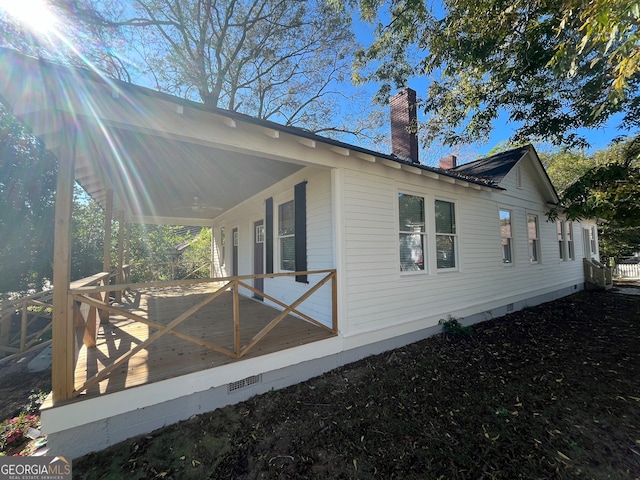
{"x": 5, "y": 325}
{"x": 236, "y": 318}
{"x": 103, "y": 314}
{"x": 23, "y": 325}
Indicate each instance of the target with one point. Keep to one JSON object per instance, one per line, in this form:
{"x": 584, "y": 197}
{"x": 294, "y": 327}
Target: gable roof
{"x": 496, "y": 167}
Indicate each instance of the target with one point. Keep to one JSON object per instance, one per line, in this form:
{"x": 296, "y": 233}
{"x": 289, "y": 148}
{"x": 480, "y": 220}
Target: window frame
{"x": 509, "y": 238}
{"x": 423, "y": 234}
{"x": 533, "y": 241}
{"x": 281, "y": 238}
{"x": 454, "y": 235}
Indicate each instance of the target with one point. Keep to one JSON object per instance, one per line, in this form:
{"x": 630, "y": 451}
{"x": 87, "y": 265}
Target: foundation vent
{"x": 244, "y": 383}
{"x": 510, "y": 307}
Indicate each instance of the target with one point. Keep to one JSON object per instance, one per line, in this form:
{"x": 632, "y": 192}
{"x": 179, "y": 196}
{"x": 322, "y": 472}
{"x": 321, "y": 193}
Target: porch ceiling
{"x": 156, "y": 155}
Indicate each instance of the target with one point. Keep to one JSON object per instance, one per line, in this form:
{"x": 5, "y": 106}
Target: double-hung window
{"x": 411, "y": 214}
{"x": 286, "y": 236}
{"x": 534, "y": 238}
{"x": 506, "y": 235}
{"x": 445, "y": 213}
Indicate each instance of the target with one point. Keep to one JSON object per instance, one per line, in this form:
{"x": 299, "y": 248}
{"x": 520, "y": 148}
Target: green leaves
{"x": 605, "y": 186}
{"x": 553, "y": 66}
{"x": 27, "y": 198}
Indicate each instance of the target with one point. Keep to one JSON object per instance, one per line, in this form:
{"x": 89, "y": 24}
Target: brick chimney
{"x": 450, "y": 161}
{"x": 404, "y": 124}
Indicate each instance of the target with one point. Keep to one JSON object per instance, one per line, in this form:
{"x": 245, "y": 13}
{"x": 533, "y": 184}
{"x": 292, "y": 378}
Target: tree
{"x": 87, "y": 237}
{"x": 273, "y": 59}
{"x": 554, "y": 66}
{"x": 63, "y": 31}
{"x": 27, "y": 203}
{"x": 605, "y": 186}
{"x": 195, "y": 260}
{"x": 281, "y": 60}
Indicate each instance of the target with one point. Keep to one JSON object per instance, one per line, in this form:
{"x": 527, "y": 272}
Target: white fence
{"x": 627, "y": 270}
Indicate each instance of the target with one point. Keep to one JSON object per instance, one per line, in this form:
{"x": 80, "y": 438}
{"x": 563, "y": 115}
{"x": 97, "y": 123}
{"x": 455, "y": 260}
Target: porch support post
{"x": 108, "y": 217}
{"x": 213, "y": 256}
{"x": 120, "y": 274}
{"x": 63, "y": 341}
{"x": 127, "y": 252}
{"x": 106, "y": 254}
{"x": 5, "y": 322}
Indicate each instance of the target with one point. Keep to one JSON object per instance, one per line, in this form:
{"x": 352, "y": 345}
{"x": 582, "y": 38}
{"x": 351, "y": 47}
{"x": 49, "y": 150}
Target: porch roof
{"x": 157, "y": 152}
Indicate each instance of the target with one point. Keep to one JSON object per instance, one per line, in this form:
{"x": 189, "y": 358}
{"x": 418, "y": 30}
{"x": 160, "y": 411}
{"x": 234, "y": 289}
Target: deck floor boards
{"x": 170, "y": 356}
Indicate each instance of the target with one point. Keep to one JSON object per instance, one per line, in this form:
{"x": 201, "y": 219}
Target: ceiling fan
{"x": 198, "y": 207}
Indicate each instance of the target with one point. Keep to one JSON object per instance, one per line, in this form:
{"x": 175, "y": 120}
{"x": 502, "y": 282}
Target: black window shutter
{"x": 300, "y": 207}
{"x": 268, "y": 234}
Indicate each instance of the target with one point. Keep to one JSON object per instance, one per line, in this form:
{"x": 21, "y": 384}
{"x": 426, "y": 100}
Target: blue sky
{"x": 503, "y": 127}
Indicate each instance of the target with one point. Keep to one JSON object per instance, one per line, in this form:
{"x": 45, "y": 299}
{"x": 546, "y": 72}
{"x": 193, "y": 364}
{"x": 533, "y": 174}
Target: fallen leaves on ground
{"x": 548, "y": 392}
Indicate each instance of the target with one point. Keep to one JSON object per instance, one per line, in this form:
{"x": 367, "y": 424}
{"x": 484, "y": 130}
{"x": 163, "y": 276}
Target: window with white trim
{"x": 413, "y": 236}
{"x": 506, "y": 235}
{"x": 446, "y": 237}
{"x": 286, "y": 236}
{"x": 592, "y": 239}
{"x": 534, "y": 238}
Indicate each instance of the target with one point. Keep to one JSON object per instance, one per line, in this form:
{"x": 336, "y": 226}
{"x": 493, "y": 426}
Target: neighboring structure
{"x": 409, "y": 244}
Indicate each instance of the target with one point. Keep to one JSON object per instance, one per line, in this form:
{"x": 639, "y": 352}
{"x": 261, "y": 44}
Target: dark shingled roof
{"x": 495, "y": 167}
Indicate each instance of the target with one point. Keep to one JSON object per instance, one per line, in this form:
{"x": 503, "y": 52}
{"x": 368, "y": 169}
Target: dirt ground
{"x": 550, "y": 392}
{"x": 16, "y": 383}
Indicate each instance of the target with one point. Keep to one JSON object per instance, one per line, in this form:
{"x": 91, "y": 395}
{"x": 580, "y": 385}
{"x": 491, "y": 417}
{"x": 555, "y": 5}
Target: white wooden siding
{"x": 319, "y": 239}
{"x": 378, "y": 295}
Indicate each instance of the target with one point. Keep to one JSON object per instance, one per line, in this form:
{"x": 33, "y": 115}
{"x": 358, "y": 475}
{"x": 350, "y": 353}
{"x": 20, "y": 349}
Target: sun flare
{"x": 34, "y": 14}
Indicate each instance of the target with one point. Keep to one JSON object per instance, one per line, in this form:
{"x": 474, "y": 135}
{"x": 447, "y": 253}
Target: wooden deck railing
{"x": 86, "y": 316}
{"x": 597, "y": 275}
{"x": 95, "y": 298}
{"x": 14, "y": 341}
{"x": 17, "y": 341}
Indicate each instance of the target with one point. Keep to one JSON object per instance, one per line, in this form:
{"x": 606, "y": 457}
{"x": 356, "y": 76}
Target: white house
{"x": 383, "y": 246}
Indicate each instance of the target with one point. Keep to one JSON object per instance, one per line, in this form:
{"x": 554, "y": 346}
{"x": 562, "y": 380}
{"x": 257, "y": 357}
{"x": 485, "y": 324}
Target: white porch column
{"x": 63, "y": 343}
{"x": 212, "y": 255}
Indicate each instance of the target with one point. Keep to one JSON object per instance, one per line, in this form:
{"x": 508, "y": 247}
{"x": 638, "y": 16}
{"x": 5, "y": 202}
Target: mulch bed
{"x": 550, "y": 392}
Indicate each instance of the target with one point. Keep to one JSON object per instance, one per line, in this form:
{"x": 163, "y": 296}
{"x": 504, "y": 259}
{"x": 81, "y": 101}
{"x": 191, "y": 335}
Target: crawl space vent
{"x": 510, "y": 307}
{"x": 244, "y": 383}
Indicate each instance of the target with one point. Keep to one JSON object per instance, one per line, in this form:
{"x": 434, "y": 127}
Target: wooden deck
{"x": 171, "y": 356}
